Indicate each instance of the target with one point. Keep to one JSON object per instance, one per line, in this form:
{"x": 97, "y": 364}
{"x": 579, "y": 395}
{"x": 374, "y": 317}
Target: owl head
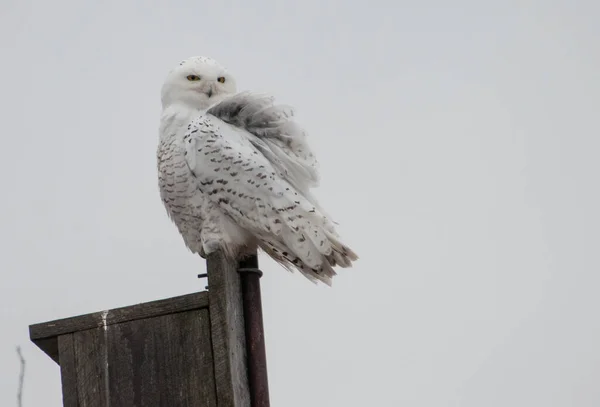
{"x": 197, "y": 82}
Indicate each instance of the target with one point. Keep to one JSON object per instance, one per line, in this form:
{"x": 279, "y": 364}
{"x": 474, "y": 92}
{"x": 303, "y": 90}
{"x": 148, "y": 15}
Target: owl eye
{"x": 193, "y": 78}
{"x": 221, "y": 79}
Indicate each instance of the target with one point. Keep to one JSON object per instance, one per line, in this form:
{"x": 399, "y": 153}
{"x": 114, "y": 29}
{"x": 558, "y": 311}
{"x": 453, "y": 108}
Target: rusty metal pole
{"x": 255, "y": 334}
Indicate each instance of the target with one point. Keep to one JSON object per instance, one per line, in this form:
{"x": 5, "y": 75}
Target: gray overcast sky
{"x": 458, "y": 142}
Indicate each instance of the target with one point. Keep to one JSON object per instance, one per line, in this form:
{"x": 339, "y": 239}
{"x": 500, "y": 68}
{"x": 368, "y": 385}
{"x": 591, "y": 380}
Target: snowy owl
{"x": 235, "y": 173}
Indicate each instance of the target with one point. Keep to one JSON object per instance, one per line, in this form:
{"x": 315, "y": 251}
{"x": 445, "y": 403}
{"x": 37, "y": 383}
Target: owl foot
{"x": 209, "y": 247}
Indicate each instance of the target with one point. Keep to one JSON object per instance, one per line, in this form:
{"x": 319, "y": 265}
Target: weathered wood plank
{"x": 91, "y": 369}
{"x": 118, "y": 315}
{"x": 227, "y": 331}
{"x": 44, "y": 334}
{"x": 162, "y": 361}
{"x": 68, "y": 370}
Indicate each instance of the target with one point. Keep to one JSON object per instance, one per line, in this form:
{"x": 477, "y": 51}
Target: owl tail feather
{"x": 340, "y": 255}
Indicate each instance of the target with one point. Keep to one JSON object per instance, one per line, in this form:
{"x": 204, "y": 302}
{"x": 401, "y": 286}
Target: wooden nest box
{"x": 199, "y": 350}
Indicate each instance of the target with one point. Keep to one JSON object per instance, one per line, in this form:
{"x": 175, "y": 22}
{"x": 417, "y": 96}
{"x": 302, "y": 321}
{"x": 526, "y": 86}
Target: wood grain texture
{"x": 44, "y": 335}
{"x": 90, "y": 367}
{"x": 162, "y": 361}
{"x": 227, "y": 332}
{"x": 68, "y": 370}
{"x": 159, "y": 361}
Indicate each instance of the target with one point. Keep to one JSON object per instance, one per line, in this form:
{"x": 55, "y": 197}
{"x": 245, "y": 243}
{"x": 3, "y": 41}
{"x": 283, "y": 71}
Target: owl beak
{"x": 211, "y": 90}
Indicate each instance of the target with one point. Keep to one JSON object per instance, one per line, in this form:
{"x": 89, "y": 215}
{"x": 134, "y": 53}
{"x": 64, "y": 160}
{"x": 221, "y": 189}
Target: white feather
{"x": 236, "y": 175}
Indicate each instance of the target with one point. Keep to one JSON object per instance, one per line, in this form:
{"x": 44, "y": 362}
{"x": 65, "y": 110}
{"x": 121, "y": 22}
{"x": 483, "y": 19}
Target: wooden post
{"x": 227, "y": 324}
{"x": 182, "y": 351}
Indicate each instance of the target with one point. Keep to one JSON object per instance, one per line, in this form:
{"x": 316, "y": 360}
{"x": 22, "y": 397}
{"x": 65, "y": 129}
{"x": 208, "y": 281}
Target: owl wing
{"x": 253, "y": 186}
{"x": 280, "y": 139}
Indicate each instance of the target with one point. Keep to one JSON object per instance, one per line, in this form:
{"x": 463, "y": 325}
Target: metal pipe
{"x": 255, "y": 334}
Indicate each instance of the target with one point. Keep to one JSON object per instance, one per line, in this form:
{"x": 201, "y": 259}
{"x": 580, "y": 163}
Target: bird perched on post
{"x": 235, "y": 173}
